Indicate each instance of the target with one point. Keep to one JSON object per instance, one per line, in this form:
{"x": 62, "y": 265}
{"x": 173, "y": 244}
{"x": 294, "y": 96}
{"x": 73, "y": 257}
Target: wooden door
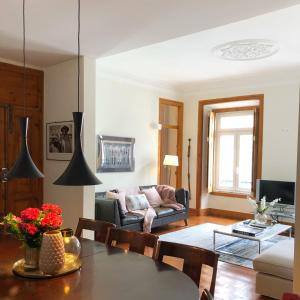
{"x": 18, "y": 194}
{"x": 3, "y": 158}
{"x": 170, "y": 141}
{"x": 23, "y": 193}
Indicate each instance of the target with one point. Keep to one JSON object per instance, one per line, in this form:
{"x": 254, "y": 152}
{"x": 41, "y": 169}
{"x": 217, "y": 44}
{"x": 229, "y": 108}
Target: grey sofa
{"x": 108, "y": 210}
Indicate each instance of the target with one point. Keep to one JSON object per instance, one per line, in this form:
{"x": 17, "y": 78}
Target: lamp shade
{"x": 171, "y": 160}
{"x": 24, "y": 167}
{"x": 78, "y": 172}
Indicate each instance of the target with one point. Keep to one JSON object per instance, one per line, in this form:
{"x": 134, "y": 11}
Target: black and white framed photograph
{"x": 115, "y": 154}
{"x": 60, "y": 140}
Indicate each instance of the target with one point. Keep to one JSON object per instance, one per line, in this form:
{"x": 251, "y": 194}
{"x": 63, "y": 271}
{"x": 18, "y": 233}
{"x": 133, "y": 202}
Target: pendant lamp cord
{"x": 78, "y": 57}
{"x": 24, "y": 61}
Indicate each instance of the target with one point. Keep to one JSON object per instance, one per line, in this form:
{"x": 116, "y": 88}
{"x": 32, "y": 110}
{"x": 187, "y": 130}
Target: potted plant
{"x": 261, "y": 208}
{"x": 30, "y": 226}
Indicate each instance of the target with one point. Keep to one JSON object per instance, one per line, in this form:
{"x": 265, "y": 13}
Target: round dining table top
{"x": 107, "y": 273}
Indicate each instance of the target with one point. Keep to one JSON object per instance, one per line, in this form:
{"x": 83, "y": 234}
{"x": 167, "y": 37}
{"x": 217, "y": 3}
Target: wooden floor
{"x": 233, "y": 282}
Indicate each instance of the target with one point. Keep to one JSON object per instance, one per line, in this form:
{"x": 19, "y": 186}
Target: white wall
{"x": 279, "y": 134}
{"x": 60, "y": 100}
{"x": 126, "y": 108}
{"x": 297, "y": 225}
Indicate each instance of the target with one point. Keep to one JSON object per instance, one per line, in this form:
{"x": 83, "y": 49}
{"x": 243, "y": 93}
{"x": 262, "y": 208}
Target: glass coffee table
{"x": 267, "y": 233}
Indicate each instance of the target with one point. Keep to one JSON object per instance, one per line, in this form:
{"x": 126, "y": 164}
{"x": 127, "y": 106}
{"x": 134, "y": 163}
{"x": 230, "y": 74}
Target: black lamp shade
{"x": 78, "y": 172}
{"x": 24, "y": 167}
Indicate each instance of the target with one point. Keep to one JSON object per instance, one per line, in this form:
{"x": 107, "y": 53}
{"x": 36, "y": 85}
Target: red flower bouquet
{"x": 33, "y": 222}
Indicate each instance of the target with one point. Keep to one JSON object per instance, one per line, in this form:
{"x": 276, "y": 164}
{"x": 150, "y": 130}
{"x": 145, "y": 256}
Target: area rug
{"x": 202, "y": 236}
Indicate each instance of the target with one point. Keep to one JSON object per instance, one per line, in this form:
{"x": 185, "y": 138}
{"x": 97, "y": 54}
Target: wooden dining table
{"x": 107, "y": 273}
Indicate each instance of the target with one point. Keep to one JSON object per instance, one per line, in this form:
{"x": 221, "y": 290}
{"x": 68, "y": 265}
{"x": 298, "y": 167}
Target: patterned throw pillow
{"x": 136, "y": 202}
{"x": 153, "y": 197}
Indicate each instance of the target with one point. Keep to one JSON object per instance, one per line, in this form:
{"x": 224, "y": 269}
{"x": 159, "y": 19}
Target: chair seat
{"x": 131, "y": 218}
{"x": 166, "y": 211}
{"x": 277, "y": 260}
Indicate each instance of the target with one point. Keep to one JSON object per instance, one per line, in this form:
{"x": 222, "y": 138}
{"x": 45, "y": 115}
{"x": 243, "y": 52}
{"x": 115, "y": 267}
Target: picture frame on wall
{"x": 60, "y": 140}
{"x": 115, "y": 154}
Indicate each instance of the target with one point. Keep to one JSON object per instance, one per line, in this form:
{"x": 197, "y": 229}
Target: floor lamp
{"x": 170, "y": 161}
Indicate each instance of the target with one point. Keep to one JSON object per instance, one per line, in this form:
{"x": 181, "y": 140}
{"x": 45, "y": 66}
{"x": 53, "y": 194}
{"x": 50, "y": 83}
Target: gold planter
{"x": 52, "y": 254}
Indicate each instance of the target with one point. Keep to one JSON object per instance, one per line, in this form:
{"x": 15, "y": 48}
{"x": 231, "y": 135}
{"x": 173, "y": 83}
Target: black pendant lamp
{"x": 24, "y": 167}
{"x": 78, "y": 172}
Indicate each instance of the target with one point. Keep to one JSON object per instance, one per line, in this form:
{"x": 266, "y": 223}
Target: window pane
{"x": 226, "y": 160}
{"x": 245, "y": 162}
{"x": 232, "y": 122}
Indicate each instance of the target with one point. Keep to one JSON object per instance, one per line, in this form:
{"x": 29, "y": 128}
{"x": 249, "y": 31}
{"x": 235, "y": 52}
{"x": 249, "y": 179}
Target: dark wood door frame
{"x": 179, "y": 128}
{"x": 201, "y": 104}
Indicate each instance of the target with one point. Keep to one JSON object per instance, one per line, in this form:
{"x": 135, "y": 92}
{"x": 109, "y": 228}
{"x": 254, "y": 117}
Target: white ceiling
{"x": 184, "y": 62}
{"x": 114, "y": 26}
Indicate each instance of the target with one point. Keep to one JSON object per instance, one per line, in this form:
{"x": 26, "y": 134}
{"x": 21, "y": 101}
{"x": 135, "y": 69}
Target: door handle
{"x": 4, "y": 175}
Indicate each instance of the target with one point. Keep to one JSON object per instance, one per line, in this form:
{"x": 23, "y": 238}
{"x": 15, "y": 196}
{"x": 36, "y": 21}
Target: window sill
{"x": 228, "y": 194}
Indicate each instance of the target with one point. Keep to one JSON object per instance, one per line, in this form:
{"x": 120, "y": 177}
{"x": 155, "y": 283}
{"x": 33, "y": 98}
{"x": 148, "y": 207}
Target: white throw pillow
{"x": 121, "y": 199}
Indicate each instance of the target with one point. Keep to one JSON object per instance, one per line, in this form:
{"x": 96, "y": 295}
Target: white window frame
{"x": 237, "y": 133}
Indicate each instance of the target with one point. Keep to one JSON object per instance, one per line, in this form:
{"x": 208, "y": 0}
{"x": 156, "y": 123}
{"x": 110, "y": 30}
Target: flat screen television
{"x": 276, "y": 189}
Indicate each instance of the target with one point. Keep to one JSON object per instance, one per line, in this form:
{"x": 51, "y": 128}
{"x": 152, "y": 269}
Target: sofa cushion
{"x": 277, "y": 260}
{"x": 165, "y": 211}
{"x": 153, "y": 197}
{"x": 121, "y": 200}
{"x": 131, "y": 218}
{"x": 136, "y": 202}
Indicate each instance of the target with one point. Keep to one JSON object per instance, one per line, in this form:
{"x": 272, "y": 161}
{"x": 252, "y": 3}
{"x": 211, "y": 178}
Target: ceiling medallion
{"x": 250, "y": 49}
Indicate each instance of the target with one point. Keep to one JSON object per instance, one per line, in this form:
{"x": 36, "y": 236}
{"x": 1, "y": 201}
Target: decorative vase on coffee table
{"x": 261, "y": 218}
{"x": 52, "y": 254}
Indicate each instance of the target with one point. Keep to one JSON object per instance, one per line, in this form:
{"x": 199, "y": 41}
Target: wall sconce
{"x": 156, "y": 126}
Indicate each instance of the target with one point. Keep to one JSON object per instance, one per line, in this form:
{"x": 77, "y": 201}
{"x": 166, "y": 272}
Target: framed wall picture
{"x": 115, "y": 154}
{"x": 60, "y": 140}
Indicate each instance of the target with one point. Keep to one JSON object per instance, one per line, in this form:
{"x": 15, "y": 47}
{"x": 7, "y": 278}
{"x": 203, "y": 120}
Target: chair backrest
{"x": 206, "y": 295}
{"x": 193, "y": 260}
{"x": 137, "y": 241}
{"x": 289, "y": 296}
{"x": 100, "y": 228}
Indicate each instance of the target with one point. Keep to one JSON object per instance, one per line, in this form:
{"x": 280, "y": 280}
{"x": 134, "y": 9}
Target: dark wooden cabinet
{"x": 18, "y": 194}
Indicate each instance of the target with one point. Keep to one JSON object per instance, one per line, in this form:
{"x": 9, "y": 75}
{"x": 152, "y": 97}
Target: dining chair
{"x": 99, "y": 227}
{"x": 193, "y": 260}
{"x": 138, "y": 241}
{"x": 206, "y": 295}
{"x": 289, "y": 296}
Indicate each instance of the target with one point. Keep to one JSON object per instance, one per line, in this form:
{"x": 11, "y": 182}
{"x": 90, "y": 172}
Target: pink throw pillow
{"x": 120, "y": 197}
{"x": 153, "y": 197}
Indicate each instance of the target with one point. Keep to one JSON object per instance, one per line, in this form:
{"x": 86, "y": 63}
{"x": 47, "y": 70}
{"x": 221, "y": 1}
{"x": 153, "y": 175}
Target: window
{"x": 232, "y": 151}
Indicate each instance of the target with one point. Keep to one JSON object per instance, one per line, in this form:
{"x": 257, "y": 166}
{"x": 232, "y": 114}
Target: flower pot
{"x": 52, "y": 254}
{"x": 31, "y": 258}
{"x": 261, "y": 218}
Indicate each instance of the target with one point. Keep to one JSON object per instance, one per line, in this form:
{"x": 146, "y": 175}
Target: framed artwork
{"x": 60, "y": 140}
{"x": 115, "y": 154}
